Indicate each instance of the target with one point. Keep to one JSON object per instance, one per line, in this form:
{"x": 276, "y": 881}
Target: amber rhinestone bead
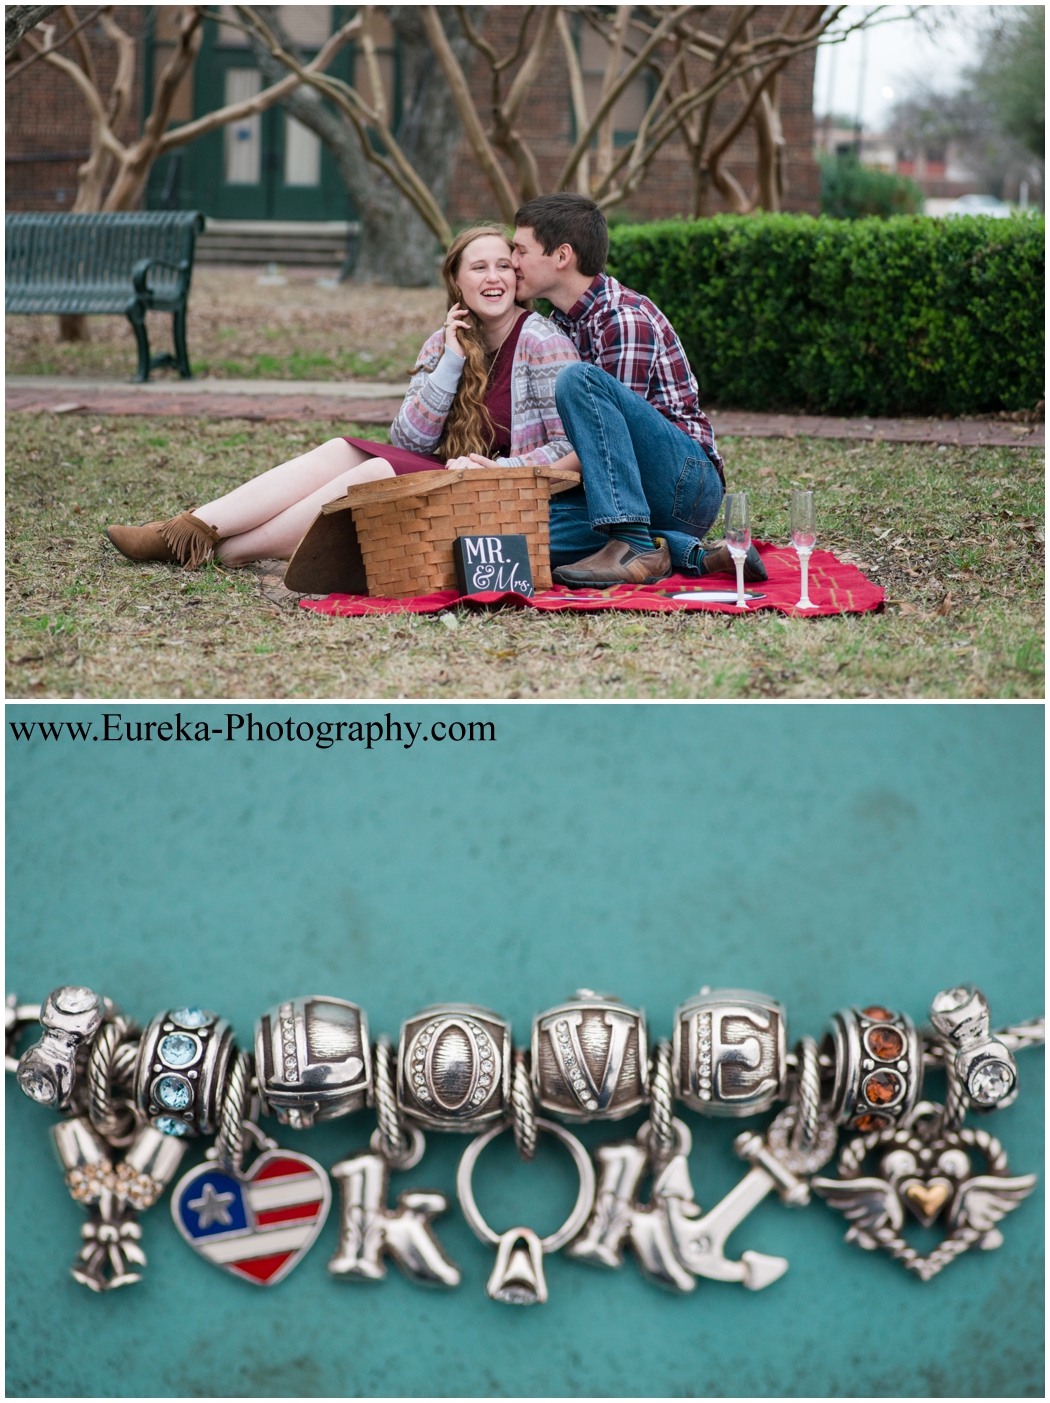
{"x": 877, "y": 1011}
{"x": 885, "y": 1043}
{"x": 866, "y": 1123}
{"x": 882, "y": 1087}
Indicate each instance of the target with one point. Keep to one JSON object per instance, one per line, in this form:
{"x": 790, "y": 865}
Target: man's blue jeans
{"x": 637, "y": 466}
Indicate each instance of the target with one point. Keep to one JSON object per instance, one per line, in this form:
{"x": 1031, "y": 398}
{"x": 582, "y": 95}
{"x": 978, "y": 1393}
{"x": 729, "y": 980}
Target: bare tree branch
{"x": 579, "y": 99}
{"x": 19, "y": 19}
{"x": 482, "y": 147}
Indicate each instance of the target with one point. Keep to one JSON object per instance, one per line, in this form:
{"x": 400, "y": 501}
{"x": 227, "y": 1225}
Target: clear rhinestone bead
{"x": 37, "y": 1084}
{"x": 990, "y": 1083}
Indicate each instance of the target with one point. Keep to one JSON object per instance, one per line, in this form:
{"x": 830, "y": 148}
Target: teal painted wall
{"x": 827, "y": 855}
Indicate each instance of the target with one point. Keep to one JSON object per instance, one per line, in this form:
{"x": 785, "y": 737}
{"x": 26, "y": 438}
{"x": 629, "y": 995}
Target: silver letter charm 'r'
{"x": 368, "y": 1229}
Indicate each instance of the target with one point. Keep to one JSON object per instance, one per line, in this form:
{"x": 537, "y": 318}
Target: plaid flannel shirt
{"x": 627, "y": 335}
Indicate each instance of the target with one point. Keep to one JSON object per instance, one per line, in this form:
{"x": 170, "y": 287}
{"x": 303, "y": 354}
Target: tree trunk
{"x": 396, "y": 247}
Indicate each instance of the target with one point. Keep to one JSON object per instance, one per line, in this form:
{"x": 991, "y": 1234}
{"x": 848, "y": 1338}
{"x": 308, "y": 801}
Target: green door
{"x": 267, "y": 166}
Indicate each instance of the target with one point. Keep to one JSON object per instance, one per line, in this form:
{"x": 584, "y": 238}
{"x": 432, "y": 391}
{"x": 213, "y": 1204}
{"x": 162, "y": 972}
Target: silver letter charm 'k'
{"x": 620, "y": 1024}
{"x": 368, "y": 1229}
{"x": 673, "y": 1240}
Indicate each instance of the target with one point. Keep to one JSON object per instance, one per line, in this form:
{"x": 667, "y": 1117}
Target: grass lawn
{"x": 954, "y": 535}
{"x": 238, "y": 330}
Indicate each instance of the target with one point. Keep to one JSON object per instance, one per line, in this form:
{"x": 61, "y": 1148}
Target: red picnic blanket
{"x": 834, "y": 587}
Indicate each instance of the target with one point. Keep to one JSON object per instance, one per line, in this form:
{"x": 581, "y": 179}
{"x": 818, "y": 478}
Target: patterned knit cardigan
{"x": 536, "y": 432}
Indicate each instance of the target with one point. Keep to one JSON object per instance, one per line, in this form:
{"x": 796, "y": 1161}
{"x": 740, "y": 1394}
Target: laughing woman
{"x": 482, "y": 392}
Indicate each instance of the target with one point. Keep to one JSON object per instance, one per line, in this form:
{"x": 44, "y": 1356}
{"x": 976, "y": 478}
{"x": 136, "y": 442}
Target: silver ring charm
{"x": 981, "y": 1065}
{"x": 313, "y": 1060}
{"x": 180, "y": 1076}
{"x": 454, "y": 1067}
{"x": 517, "y": 1277}
{"x": 878, "y": 1067}
{"x": 661, "y": 1105}
{"x": 236, "y": 1103}
{"x": 730, "y": 1054}
{"x": 112, "y": 1118}
{"x": 589, "y": 1058}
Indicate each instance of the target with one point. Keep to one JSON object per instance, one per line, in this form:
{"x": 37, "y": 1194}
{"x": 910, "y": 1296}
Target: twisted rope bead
{"x": 229, "y": 1143}
{"x": 956, "y": 1102}
{"x": 395, "y": 1143}
{"x": 804, "y": 1134}
{"x": 114, "y": 1122}
{"x": 523, "y": 1110}
{"x": 661, "y": 1103}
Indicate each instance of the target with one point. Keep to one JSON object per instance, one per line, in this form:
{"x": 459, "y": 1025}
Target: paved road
{"x": 368, "y": 402}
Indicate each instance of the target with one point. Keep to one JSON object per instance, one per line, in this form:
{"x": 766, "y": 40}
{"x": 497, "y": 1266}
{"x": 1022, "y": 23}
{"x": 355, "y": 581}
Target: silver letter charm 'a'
{"x": 369, "y": 1229}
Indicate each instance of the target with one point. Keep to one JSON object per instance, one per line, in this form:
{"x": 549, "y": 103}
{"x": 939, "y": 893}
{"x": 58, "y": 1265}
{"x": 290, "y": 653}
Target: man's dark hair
{"x": 568, "y": 219}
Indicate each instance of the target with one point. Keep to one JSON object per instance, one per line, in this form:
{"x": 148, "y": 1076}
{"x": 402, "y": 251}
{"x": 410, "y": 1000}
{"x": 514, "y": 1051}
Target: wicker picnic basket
{"x": 393, "y": 538}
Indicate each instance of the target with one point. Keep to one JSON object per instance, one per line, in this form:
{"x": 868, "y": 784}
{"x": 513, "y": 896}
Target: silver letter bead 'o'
{"x": 312, "y": 1060}
{"x": 878, "y": 1067}
{"x": 590, "y": 1058}
{"x": 454, "y": 1067}
{"x": 729, "y": 1052}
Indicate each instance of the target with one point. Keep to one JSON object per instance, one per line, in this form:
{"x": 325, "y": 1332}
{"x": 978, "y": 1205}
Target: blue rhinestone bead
{"x": 173, "y": 1092}
{"x": 168, "y": 1125}
{"x": 178, "y": 1049}
{"x": 190, "y": 1017}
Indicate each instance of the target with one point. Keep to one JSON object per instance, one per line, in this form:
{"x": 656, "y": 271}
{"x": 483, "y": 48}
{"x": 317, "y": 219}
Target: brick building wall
{"x": 48, "y": 129}
{"x": 668, "y": 189}
{"x": 48, "y": 132}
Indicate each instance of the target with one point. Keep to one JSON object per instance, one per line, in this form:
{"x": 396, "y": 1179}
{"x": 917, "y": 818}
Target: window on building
{"x": 243, "y": 138}
{"x": 302, "y": 154}
{"x": 629, "y": 110}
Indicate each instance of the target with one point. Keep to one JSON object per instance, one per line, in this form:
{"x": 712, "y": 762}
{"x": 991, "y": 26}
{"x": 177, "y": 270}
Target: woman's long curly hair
{"x": 468, "y": 428}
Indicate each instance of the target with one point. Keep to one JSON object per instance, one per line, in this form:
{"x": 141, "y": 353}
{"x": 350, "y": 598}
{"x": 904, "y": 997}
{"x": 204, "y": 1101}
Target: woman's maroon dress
{"x": 497, "y": 402}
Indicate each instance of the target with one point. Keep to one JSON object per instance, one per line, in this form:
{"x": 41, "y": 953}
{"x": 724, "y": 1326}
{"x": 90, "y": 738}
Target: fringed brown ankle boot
{"x": 182, "y": 540}
{"x": 190, "y": 539}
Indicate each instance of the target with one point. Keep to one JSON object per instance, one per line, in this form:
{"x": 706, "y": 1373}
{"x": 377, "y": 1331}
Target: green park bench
{"x": 98, "y": 264}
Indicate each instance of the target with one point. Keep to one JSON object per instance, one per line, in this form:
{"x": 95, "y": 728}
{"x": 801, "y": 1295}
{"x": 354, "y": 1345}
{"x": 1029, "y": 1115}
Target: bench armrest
{"x": 141, "y": 270}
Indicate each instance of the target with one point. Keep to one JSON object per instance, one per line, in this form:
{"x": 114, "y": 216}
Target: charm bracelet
{"x": 132, "y": 1098}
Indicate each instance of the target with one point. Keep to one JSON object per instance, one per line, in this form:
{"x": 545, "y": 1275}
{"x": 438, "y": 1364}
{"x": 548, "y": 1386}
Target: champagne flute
{"x": 803, "y": 538}
{"x": 738, "y": 538}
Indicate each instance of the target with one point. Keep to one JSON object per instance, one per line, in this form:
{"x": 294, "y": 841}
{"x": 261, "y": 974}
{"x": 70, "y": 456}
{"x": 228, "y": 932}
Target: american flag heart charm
{"x": 257, "y": 1226}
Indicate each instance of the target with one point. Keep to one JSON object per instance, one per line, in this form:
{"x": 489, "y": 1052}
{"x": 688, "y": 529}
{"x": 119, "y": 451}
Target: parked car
{"x": 980, "y": 204}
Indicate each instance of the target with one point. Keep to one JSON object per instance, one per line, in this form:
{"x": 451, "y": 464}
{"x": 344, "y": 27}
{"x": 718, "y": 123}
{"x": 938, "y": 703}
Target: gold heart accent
{"x": 929, "y": 1199}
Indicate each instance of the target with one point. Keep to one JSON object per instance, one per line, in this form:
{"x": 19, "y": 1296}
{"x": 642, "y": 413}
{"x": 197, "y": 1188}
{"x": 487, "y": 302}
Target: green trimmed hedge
{"x": 869, "y": 316}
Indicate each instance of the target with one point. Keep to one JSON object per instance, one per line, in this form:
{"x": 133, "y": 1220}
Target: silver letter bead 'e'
{"x": 729, "y": 1052}
{"x": 878, "y": 1067}
{"x": 454, "y": 1067}
{"x": 590, "y": 1058}
{"x": 313, "y": 1060}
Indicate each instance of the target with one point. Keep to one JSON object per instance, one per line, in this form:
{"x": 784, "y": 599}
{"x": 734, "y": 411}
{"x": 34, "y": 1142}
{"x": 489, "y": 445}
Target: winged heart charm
{"x": 928, "y": 1173}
